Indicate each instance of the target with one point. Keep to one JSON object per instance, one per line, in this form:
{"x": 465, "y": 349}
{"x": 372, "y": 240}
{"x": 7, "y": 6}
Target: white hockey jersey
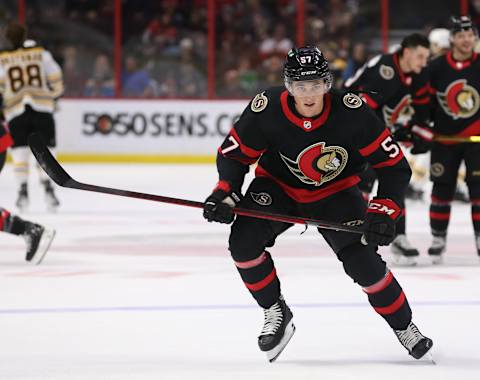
{"x": 29, "y": 75}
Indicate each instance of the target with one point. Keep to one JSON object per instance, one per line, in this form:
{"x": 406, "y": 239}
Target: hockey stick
{"x": 56, "y": 172}
{"x": 460, "y": 139}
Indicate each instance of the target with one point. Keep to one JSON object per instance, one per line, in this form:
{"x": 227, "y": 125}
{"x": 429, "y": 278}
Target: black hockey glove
{"x": 401, "y": 133}
{"x": 422, "y": 138}
{"x": 218, "y": 206}
{"x": 380, "y": 221}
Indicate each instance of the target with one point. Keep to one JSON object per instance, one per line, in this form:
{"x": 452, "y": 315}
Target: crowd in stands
{"x": 165, "y": 43}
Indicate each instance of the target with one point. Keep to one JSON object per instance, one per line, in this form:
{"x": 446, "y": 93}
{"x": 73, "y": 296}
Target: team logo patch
{"x": 401, "y": 113}
{"x": 352, "y": 100}
{"x": 437, "y": 169}
{"x": 460, "y": 101}
{"x": 307, "y": 124}
{"x": 386, "y": 72}
{"x": 317, "y": 163}
{"x": 259, "y": 102}
{"x": 263, "y": 199}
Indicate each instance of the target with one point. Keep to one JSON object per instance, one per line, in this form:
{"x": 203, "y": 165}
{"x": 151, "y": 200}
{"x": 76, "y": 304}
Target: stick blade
{"x": 46, "y": 160}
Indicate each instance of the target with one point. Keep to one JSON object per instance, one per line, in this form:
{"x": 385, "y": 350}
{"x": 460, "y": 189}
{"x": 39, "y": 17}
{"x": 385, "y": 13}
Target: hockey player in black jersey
{"x": 455, "y": 88}
{"x": 310, "y": 144}
{"x": 37, "y": 237}
{"x": 396, "y": 87}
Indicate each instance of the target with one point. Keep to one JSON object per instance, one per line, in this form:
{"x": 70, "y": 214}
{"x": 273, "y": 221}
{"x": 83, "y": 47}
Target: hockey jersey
{"x": 455, "y": 88}
{"x": 398, "y": 98}
{"x": 312, "y": 158}
{"x": 29, "y": 75}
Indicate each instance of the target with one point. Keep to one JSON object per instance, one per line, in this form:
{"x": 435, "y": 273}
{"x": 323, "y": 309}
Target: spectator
{"x": 357, "y": 59}
{"x": 137, "y": 81}
{"x": 101, "y": 83}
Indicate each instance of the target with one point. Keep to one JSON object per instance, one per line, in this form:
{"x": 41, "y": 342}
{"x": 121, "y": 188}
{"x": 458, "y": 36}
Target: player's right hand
{"x": 218, "y": 206}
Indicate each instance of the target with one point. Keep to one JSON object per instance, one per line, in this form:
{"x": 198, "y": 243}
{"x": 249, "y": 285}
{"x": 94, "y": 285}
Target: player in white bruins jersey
{"x": 30, "y": 83}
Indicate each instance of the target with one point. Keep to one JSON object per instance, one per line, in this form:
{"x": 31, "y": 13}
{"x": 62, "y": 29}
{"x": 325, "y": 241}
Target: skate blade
{"x": 43, "y": 246}
{"x": 429, "y": 356}
{"x": 404, "y": 261}
{"x": 437, "y": 259}
{"x": 275, "y": 352}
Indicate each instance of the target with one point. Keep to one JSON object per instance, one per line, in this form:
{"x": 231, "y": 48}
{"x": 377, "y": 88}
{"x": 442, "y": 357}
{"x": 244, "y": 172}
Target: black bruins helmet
{"x": 306, "y": 63}
{"x": 458, "y": 24}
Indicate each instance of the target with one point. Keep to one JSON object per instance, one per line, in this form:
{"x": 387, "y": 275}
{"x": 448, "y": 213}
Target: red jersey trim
{"x": 463, "y": 64}
{"x": 249, "y": 152}
{"x": 299, "y": 122}
{"x": 423, "y": 90}
{"x": 308, "y": 196}
{"x": 6, "y": 142}
{"x": 371, "y": 103}
{"x": 390, "y": 162}
{"x": 224, "y": 186}
{"x": 373, "y": 146}
{"x": 424, "y": 100}
{"x": 406, "y": 80}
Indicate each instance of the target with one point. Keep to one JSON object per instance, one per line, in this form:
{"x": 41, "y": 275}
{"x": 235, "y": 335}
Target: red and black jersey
{"x": 312, "y": 158}
{"x": 397, "y": 97}
{"x": 455, "y": 88}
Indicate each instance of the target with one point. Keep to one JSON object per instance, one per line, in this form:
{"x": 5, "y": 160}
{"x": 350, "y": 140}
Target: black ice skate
{"x": 50, "y": 198}
{"x": 416, "y": 343}
{"x": 404, "y": 252}
{"x": 22, "y": 199}
{"x": 437, "y": 249}
{"x": 277, "y": 330}
{"x": 38, "y": 240}
{"x": 461, "y": 196}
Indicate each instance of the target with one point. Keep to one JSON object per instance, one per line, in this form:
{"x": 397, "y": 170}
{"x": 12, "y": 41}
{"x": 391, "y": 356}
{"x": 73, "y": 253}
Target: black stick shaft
{"x": 58, "y": 174}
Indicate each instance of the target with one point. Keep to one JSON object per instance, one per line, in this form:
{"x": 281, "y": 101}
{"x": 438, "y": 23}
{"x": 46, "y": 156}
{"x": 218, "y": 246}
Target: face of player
{"x": 308, "y": 96}
{"x": 464, "y": 41}
{"x": 416, "y": 58}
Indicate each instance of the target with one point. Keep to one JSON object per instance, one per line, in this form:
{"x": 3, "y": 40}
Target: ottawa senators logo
{"x": 401, "y": 113}
{"x": 318, "y": 163}
{"x": 460, "y": 101}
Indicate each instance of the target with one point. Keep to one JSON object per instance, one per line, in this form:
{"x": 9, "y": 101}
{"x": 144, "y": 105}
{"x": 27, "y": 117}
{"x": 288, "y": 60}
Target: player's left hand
{"x": 379, "y": 225}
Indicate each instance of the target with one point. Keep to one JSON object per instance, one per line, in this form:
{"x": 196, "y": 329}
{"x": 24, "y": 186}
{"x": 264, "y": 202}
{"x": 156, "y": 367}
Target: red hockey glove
{"x": 218, "y": 206}
{"x": 380, "y": 221}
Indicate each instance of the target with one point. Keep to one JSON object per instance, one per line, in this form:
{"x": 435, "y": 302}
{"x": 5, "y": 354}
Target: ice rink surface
{"x": 140, "y": 290}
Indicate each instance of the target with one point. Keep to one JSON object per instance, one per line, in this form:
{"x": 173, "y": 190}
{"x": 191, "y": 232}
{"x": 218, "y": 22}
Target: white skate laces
{"x": 273, "y": 319}
{"x": 409, "y": 337}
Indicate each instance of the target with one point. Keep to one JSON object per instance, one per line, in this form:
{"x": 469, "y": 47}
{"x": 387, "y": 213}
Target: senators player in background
{"x": 310, "y": 144}
{"x": 455, "y": 86}
{"x": 37, "y": 237}
{"x": 396, "y": 87}
{"x": 30, "y": 83}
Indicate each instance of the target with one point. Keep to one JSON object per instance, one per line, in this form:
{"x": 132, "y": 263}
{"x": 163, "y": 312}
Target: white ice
{"x": 134, "y": 289}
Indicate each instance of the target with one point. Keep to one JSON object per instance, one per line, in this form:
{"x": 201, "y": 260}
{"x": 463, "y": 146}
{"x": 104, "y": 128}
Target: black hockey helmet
{"x": 458, "y": 24}
{"x": 306, "y": 63}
